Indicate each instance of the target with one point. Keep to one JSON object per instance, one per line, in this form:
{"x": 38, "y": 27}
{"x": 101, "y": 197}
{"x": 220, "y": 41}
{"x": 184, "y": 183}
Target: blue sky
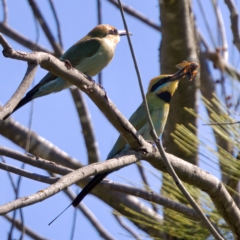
{"x": 55, "y": 117}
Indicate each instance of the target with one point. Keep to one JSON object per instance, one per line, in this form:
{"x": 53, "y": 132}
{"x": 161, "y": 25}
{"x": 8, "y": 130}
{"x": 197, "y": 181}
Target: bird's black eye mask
{"x": 113, "y": 31}
{"x": 160, "y": 83}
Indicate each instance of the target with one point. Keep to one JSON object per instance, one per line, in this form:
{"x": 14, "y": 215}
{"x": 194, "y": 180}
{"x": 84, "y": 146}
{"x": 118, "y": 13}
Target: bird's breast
{"x": 94, "y": 64}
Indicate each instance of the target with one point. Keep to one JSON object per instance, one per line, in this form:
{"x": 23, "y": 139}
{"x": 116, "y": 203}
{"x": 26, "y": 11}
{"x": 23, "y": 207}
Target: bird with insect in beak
{"x": 89, "y": 55}
{"x": 159, "y": 94}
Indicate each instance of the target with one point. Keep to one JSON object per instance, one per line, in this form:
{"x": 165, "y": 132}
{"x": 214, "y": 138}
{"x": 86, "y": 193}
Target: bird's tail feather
{"x": 97, "y": 179}
{"x": 24, "y": 101}
{"x": 29, "y": 97}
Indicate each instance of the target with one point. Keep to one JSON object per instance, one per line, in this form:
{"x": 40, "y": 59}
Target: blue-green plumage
{"x": 89, "y": 55}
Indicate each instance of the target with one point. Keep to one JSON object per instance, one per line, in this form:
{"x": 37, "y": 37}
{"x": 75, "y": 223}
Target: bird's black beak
{"x": 123, "y": 33}
{"x": 188, "y": 69}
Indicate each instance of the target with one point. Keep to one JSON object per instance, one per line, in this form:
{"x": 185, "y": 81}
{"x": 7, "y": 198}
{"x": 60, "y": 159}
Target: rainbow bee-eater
{"x": 159, "y": 94}
{"x": 89, "y": 55}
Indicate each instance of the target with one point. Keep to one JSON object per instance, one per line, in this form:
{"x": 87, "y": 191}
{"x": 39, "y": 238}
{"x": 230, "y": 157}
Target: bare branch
{"x": 57, "y": 22}
{"x": 28, "y": 231}
{"x": 222, "y": 30}
{"x": 99, "y": 15}
{"x": 145, "y": 181}
{"x": 16, "y": 97}
{"x": 151, "y": 197}
{"x": 87, "y": 127}
{"x": 27, "y": 174}
{"x": 147, "y": 195}
{"x": 68, "y": 180}
{"x": 57, "y": 48}
{"x": 39, "y": 146}
{"x": 234, "y": 22}
{"x": 5, "y": 11}
{"x": 221, "y": 64}
{"x": 206, "y": 22}
{"x": 16, "y": 191}
{"x": 201, "y": 39}
{"x": 33, "y": 161}
{"x": 207, "y": 88}
{"x": 5, "y": 29}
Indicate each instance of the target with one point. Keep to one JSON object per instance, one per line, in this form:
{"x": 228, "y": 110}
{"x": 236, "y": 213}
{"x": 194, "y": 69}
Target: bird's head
{"x": 163, "y": 87}
{"x": 107, "y": 31}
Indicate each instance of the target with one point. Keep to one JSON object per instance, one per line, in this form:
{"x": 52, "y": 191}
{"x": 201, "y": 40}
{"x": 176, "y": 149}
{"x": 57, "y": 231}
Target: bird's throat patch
{"x": 165, "y": 96}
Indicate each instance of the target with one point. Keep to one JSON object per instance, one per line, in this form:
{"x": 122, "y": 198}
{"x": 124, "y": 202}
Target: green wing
{"x": 81, "y": 50}
{"x": 137, "y": 120}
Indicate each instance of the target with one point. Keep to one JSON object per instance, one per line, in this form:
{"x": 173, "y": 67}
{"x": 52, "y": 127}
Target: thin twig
{"x": 5, "y": 11}
{"x": 27, "y": 174}
{"x": 150, "y": 196}
{"x": 222, "y": 30}
{"x": 28, "y": 231}
{"x": 99, "y": 15}
{"x": 206, "y": 22}
{"x": 24, "y": 85}
{"x": 57, "y": 23}
{"x": 224, "y": 123}
{"x": 125, "y": 226}
{"x": 17, "y": 133}
{"x": 11, "y": 33}
{"x": 35, "y": 161}
{"x": 16, "y": 191}
{"x": 37, "y": 13}
{"x": 131, "y": 11}
{"x": 145, "y": 181}
{"x": 201, "y": 39}
{"x": 86, "y": 124}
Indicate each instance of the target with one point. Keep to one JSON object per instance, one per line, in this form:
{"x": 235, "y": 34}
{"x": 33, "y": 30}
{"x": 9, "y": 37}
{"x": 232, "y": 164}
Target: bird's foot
{"x": 105, "y": 93}
{"x": 144, "y": 150}
{"x": 101, "y": 86}
{"x": 31, "y": 155}
{"x": 68, "y": 64}
{"x": 153, "y": 145}
{"x": 89, "y": 78}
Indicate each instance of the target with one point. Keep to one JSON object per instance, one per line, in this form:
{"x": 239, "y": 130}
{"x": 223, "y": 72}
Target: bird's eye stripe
{"x": 113, "y": 31}
{"x": 159, "y": 83}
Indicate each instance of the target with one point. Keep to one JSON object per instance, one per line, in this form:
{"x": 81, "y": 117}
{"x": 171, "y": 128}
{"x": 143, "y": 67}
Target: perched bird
{"x": 159, "y": 94}
{"x": 89, "y": 55}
